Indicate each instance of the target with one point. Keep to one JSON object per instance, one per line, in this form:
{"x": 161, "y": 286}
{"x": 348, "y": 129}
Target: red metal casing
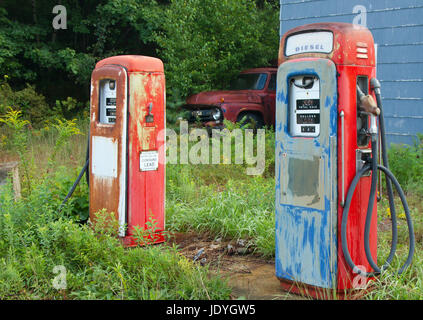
{"x": 354, "y": 55}
{"x": 134, "y": 195}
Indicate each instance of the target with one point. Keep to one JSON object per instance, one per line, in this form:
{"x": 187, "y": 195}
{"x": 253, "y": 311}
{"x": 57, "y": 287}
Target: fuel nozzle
{"x": 367, "y": 103}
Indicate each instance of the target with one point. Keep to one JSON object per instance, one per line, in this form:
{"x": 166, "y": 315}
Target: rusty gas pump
{"x": 127, "y": 171}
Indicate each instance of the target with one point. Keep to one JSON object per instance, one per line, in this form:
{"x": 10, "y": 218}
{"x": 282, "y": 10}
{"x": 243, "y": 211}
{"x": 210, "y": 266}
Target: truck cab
{"x": 250, "y": 98}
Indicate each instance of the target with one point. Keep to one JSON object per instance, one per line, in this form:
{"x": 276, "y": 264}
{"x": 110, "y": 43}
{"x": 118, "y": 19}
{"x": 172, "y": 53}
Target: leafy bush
{"x": 406, "y": 163}
{"x": 33, "y": 105}
{"x": 33, "y": 51}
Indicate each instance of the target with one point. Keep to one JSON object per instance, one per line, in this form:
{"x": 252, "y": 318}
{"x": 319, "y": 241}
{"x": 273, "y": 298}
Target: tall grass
{"x": 35, "y": 238}
{"x": 406, "y": 162}
{"x": 235, "y": 209}
{"x": 408, "y": 285}
{"x": 223, "y": 200}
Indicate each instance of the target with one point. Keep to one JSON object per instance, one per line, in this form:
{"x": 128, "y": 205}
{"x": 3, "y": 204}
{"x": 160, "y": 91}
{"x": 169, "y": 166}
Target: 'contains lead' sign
{"x": 149, "y": 160}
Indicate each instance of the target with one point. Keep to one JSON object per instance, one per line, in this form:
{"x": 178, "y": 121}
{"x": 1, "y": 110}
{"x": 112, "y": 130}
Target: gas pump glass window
{"x": 309, "y": 42}
{"x": 107, "y": 103}
{"x": 304, "y": 106}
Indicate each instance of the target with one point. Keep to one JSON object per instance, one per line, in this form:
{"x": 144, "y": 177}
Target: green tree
{"x": 205, "y": 43}
{"x": 60, "y": 62}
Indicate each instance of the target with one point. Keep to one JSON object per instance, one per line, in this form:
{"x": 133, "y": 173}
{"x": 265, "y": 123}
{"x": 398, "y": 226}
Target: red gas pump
{"x": 326, "y": 159}
{"x": 127, "y": 172}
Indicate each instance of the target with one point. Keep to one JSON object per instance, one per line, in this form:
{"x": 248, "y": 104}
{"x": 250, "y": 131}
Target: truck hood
{"x": 217, "y": 97}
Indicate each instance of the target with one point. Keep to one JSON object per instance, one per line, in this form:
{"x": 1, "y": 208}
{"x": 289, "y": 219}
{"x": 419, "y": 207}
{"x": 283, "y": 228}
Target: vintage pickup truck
{"x": 249, "y": 99}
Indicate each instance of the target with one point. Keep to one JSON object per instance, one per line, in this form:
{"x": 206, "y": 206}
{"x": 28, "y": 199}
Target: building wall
{"x": 397, "y": 28}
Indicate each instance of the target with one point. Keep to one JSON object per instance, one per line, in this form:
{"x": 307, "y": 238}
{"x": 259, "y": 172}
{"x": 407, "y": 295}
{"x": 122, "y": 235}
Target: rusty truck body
{"x": 250, "y": 98}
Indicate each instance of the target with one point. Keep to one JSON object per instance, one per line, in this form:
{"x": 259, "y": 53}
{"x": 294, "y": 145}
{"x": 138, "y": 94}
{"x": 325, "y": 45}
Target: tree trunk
{"x": 34, "y": 16}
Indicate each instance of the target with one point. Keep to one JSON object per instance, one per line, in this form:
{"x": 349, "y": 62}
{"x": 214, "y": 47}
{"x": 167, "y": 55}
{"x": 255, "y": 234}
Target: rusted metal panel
{"x": 146, "y": 199}
{"x": 306, "y": 208}
{"x": 108, "y": 190}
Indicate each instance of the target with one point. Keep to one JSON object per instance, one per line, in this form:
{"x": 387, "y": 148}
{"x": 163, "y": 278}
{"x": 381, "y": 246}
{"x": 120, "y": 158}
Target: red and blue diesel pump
{"x": 328, "y": 131}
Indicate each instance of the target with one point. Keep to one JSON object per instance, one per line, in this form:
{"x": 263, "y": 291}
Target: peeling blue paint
{"x": 306, "y": 235}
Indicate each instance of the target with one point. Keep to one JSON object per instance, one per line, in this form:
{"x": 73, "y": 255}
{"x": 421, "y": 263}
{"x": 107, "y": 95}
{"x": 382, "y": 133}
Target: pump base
{"x": 320, "y": 293}
{"x": 155, "y": 238}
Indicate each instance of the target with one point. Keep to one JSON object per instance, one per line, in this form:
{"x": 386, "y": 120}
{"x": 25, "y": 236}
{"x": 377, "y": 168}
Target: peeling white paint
{"x": 104, "y": 157}
{"x": 122, "y": 178}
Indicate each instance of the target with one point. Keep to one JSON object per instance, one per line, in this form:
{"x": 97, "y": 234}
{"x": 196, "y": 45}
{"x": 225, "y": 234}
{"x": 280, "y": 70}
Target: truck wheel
{"x": 250, "y": 120}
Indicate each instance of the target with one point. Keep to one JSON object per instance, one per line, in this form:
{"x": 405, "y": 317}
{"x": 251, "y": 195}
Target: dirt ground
{"x": 249, "y": 275}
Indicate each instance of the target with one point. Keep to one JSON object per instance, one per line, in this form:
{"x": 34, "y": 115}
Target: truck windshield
{"x": 249, "y": 81}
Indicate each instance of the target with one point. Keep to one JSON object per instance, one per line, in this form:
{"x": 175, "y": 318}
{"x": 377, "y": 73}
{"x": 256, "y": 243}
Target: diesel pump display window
{"x": 304, "y": 106}
{"x": 107, "y": 103}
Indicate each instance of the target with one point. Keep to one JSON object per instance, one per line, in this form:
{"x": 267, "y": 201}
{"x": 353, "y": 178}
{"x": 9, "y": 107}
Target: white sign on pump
{"x": 317, "y": 41}
{"x": 149, "y": 160}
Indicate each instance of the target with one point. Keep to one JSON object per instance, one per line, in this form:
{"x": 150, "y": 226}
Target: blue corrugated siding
{"x": 397, "y": 27}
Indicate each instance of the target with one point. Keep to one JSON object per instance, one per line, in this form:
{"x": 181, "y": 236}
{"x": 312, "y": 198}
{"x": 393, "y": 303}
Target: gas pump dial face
{"x": 107, "y": 101}
{"x": 304, "y": 106}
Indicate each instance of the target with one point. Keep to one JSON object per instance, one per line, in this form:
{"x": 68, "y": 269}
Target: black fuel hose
{"x": 389, "y": 177}
{"x": 75, "y": 184}
{"x": 375, "y": 85}
{"x": 87, "y": 158}
{"x": 85, "y": 170}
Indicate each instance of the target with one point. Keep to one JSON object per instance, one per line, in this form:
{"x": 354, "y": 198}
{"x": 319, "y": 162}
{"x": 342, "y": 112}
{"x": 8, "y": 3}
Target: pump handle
{"x": 367, "y": 103}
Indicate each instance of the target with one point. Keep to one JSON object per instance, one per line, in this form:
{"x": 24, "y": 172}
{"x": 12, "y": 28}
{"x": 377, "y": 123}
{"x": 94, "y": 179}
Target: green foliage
{"x": 31, "y": 49}
{"x": 18, "y": 139}
{"x": 205, "y": 43}
{"x": 68, "y": 108}
{"x": 19, "y": 135}
{"x": 105, "y": 224}
{"x": 269, "y": 146}
{"x": 35, "y": 238}
{"x": 148, "y": 235}
{"x": 406, "y": 163}
{"x": 409, "y": 285}
{"x": 58, "y": 186}
{"x": 32, "y": 105}
{"x": 65, "y": 129}
{"x": 15, "y": 40}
